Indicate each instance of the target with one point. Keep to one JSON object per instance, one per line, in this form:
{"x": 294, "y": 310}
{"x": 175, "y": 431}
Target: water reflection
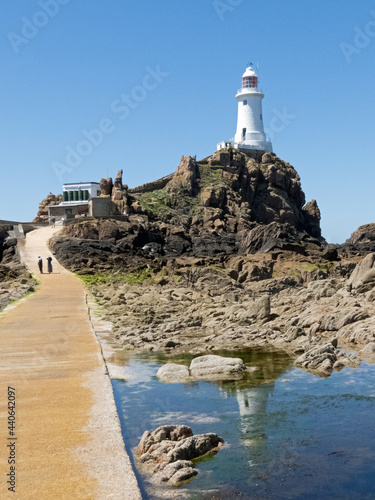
{"x": 288, "y": 434}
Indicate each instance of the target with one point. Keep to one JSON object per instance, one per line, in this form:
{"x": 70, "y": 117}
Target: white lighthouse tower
{"x": 250, "y": 131}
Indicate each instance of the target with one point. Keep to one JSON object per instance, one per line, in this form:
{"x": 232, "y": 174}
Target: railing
{"x": 247, "y": 90}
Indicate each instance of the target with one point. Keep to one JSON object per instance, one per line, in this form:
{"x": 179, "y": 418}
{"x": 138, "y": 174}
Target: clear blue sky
{"x": 67, "y": 71}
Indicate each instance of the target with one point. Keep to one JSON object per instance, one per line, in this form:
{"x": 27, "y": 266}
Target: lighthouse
{"x": 250, "y": 131}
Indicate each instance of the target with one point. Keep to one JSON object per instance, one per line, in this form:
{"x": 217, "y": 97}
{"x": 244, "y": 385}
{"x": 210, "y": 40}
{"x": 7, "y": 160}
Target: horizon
{"x": 158, "y": 83}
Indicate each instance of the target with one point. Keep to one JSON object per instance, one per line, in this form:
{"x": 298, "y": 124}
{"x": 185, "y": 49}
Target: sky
{"x": 89, "y": 87}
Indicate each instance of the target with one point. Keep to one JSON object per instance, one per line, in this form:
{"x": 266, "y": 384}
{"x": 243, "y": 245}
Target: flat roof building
{"x": 76, "y": 198}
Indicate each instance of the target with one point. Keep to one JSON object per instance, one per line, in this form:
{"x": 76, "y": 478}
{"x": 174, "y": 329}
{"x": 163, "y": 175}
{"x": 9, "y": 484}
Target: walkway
{"x": 69, "y": 443}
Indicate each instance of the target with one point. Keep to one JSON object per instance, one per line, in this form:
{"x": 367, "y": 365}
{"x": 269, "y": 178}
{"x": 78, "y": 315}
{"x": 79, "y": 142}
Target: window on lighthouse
{"x": 249, "y": 82}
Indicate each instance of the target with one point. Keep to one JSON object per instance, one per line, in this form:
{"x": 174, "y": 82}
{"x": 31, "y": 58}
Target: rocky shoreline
{"x": 15, "y": 280}
{"x": 205, "y": 316}
{"x": 226, "y": 256}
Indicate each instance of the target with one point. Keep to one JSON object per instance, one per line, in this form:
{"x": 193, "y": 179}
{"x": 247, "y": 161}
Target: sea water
{"x": 288, "y": 434}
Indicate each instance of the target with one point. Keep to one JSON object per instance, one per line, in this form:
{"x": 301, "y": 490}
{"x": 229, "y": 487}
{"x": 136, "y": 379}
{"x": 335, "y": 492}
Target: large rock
{"x": 173, "y": 372}
{"x": 312, "y": 217}
{"x": 106, "y": 185}
{"x": 212, "y": 366}
{"x": 364, "y": 234}
{"x": 50, "y": 200}
{"x": 368, "y": 352}
{"x": 320, "y": 359}
{"x": 120, "y": 194}
{"x": 175, "y": 473}
{"x": 326, "y": 358}
{"x": 163, "y": 433}
{"x": 167, "y": 451}
{"x": 196, "y": 446}
{"x": 363, "y": 277}
{"x": 184, "y": 180}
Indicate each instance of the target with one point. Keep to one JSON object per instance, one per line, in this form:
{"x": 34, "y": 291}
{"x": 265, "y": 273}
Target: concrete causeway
{"x": 67, "y": 437}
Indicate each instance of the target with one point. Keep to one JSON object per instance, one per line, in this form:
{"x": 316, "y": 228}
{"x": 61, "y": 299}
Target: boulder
{"x": 175, "y": 473}
{"x": 261, "y": 308}
{"x": 163, "y": 433}
{"x": 168, "y": 451}
{"x": 320, "y": 359}
{"x": 212, "y": 366}
{"x": 173, "y": 372}
{"x": 106, "y": 186}
{"x": 51, "y": 199}
{"x": 368, "y": 352}
{"x": 362, "y": 278}
{"x": 196, "y": 446}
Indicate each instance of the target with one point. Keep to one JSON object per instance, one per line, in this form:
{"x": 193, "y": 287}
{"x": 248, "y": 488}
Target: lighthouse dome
{"x": 249, "y": 72}
{"x": 250, "y": 79}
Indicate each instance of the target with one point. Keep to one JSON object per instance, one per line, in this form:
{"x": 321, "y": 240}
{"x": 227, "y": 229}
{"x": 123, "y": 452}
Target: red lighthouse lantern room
{"x": 250, "y": 79}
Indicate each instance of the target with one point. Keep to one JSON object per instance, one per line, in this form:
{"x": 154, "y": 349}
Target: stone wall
{"x": 102, "y": 206}
{"x": 152, "y": 186}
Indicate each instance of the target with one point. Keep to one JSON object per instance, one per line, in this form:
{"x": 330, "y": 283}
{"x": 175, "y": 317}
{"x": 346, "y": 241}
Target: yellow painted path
{"x": 68, "y": 440}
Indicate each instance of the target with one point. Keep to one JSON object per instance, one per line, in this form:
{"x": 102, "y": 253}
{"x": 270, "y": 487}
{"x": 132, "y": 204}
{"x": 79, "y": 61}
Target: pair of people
{"x": 49, "y": 264}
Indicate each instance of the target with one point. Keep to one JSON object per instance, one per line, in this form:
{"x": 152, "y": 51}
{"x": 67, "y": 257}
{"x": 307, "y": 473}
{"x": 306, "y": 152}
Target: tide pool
{"x": 288, "y": 434}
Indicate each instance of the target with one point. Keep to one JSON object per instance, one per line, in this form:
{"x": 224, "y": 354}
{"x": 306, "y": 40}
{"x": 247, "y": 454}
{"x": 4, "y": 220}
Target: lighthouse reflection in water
{"x": 288, "y": 434}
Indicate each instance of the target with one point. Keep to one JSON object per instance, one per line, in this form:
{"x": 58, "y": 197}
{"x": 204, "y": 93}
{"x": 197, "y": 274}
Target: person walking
{"x": 40, "y": 264}
{"x": 49, "y": 264}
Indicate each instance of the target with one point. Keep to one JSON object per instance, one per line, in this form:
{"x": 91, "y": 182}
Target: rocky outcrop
{"x": 118, "y": 188}
{"x": 167, "y": 452}
{"x": 50, "y": 200}
{"x": 361, "y": 242}
{"x": 312, "y": 217}
{"x": 117, "y": 192}
{"x": 324, "y": 359}
{"x": 184, "y": 180}
{"x": 363, "y": 277}
{"x": 364, "y": 234}
{"x": 368, "y": 352}
{"x": 106, "y": 186}
{"x": 230, "y": 204}
{"x": 15, "y": 279}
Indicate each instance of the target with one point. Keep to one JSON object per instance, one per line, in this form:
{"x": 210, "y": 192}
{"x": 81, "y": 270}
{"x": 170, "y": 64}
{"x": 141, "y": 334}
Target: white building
{"x": 80, "y": 192}
{"x": 76, "y": 198}
{"x": 250, "y": 131}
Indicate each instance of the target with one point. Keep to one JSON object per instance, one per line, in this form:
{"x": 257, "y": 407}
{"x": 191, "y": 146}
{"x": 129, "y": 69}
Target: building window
{"x": 65, "y": 196}
{"x": 245, "y": 102}
{"x": 97, "y": 193}
{"x": 243, "y": 134}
